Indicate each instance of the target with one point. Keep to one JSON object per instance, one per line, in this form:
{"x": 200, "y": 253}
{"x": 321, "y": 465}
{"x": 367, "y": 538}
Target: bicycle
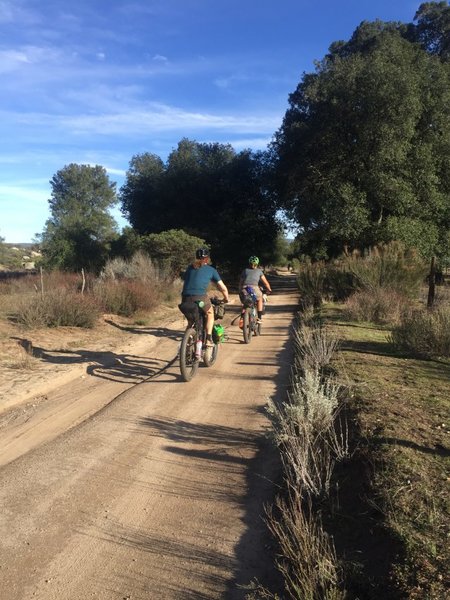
{"x": 193, "y": 347}
{"x": 249, "y": 315}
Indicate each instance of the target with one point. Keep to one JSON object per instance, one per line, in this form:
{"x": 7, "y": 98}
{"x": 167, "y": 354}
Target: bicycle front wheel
{"x": 247, "y": 328}
{"x": 188, "y": 360}
{"x": 210, "y": 355}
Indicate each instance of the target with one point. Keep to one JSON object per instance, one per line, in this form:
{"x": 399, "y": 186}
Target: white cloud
{"x": 160, "y": 58}
{"x": 10, "y": 60}
{"x": 14, "y": 59}
{"x": 15, "y": 193}
{"x": 159, "y": 117}
{"x": 118, "y": 172}
{"x": 256, "y": 143}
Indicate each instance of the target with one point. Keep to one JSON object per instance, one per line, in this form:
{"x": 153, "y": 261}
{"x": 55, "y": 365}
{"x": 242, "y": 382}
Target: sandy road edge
{"x": 37, "y": 383}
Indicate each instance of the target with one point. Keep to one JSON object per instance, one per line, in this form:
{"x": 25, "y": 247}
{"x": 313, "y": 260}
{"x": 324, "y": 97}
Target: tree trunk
{"x": 431, "y": 282}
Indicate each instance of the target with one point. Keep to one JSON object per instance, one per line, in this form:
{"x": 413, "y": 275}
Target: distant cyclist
{"x": 252, "y": 276}
{"x": 197, "y": 278}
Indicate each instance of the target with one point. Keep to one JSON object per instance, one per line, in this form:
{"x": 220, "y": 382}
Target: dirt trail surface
{"x": 127, "y": 483}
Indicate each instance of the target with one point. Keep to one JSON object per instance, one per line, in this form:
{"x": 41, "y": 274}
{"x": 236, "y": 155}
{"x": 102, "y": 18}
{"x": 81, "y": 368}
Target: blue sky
{"x": 96, "y": 81}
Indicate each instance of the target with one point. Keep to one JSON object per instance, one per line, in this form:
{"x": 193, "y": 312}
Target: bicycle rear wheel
{"x": 210, "y": 355}
{"x": 247, "y": 328}
{"x": 188, "y": 361}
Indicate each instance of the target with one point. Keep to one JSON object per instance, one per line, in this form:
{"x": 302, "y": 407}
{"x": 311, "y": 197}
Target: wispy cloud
{"x": 14, "y": 59}
{"x": 15, "y": 193}
{"x": 145, "y": 119}
{"x": 160, "y": 58}
{"x": 158, "y": 117}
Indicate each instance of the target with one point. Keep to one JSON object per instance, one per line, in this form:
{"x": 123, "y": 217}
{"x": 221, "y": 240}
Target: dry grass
{"x": 310, "y": 440}
{"x": 315, "y": 346}
{"x": 22, "y": 360}
{"x": 424, "y": 332}
{"x": 379, "y": 305}
{"x": 308, "y": 561}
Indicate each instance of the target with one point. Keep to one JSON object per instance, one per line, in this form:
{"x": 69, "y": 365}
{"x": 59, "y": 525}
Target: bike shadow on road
{"x": 159, "y": 332}
{"x": 112, "y": 366}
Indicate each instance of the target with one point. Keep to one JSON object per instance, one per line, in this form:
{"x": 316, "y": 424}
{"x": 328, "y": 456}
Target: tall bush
{"x": 424, "y": 333}
{"x": 311, "y": 284}
{"x": 390, "y": 266}
{"x": 58, "y": 308}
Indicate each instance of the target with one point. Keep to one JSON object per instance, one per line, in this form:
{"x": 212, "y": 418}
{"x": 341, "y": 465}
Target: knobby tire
{"x": 247, "y": 328}
{"x": 188, "y": 362}
{"x": 210, "y": 355}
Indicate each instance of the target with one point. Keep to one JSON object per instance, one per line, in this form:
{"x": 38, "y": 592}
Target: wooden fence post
{"x": 431, "y": 283}
{"x": 42, "y": 282}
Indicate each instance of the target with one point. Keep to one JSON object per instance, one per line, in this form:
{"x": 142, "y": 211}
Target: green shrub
{"x": 378, "y": 305}
{"x": 424, "y": 333}
{"x": 172, "y": 250}
{"x": 340, "y": 282}
{"x": 58, "y": 308}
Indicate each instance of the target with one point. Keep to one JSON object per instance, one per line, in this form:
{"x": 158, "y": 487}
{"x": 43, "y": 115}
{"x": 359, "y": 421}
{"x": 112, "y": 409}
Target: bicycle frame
{"x": 250, "y": 325}
{"x": 193, "y": 347}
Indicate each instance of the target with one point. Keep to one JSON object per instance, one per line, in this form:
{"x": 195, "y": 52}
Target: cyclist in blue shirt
{"x": 197, "y": 278}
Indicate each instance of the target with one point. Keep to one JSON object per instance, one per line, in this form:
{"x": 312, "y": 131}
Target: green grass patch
{"x": 401, "y": 408}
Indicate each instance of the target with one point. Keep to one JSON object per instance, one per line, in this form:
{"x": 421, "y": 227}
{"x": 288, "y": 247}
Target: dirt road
{"x": 131, "y": 484}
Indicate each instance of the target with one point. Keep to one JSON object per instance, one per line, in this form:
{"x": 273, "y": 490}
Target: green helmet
{"x": 253, "y": 260}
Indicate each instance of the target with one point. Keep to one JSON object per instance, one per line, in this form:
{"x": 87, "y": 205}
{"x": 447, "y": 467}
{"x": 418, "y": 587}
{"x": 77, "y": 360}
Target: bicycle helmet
{"x": 202, "y": 253}
{"x": 253, "y": 260}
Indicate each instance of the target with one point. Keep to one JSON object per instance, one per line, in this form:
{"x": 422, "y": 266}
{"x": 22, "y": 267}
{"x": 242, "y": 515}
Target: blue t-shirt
{"x": 196, "y": 281}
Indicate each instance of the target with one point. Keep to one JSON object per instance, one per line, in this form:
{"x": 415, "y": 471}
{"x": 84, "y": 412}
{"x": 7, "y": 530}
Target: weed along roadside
{"x": 363, "y": 437}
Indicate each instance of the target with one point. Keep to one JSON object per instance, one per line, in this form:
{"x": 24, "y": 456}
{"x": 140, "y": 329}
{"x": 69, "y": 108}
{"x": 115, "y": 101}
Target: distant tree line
{"x": 362, "y": 157}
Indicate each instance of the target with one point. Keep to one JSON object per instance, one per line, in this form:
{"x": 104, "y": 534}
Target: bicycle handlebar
{"x": 217, "y": 301}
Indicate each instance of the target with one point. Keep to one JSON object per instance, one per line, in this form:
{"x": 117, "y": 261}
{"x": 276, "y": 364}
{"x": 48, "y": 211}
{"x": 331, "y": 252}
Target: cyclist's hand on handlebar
{"x": 215, "y": 300}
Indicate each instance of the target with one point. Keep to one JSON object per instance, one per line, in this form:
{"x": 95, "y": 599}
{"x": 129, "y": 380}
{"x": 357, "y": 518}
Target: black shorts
{"x": 205, "y": 298}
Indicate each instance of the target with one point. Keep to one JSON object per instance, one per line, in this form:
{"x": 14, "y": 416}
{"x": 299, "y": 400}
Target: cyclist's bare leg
{"x": 209, "y": 320}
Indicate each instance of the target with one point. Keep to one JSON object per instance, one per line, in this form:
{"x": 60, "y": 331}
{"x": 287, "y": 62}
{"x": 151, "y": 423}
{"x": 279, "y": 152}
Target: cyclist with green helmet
{"x": 252, "y": 276}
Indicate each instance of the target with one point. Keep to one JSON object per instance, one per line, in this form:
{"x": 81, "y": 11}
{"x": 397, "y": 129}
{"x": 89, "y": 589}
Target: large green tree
{"x": 208, "y": 191}
{"x": 433, "y": 28}
{"x": 80, "y": 229}
{"x": 363, "y": 152}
